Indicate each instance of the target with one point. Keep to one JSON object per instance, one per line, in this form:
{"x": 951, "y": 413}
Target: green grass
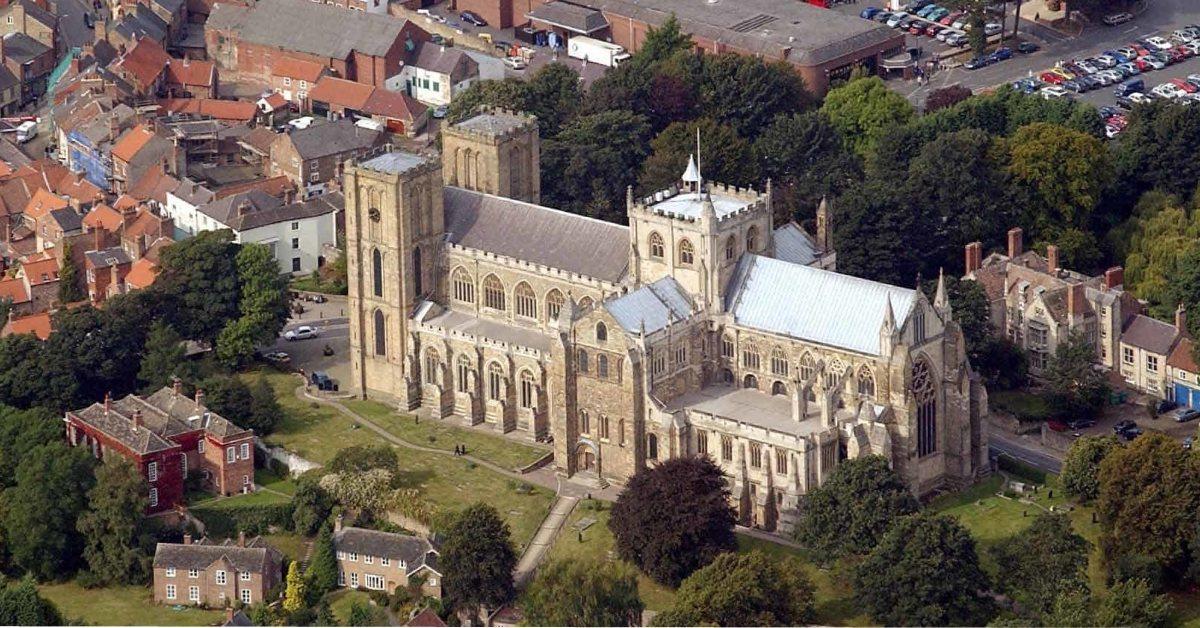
{"x": 439, "y": 434}
{"x": 341, "y": 600}
{"x": 122, "y": 606}
{"x": 1024, "y": 405}
{"x": 270, "y": 480}
{"x": 309, "y": 283}
{"x": 247, "y": 499}
{"x": 318, "y": 433}
{"x": 292, "y": 545}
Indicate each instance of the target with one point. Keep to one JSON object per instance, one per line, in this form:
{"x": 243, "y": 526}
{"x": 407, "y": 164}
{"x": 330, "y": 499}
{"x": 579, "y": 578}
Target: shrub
{"x": 252, "y": 519}
{"x": 1011, "y": 465}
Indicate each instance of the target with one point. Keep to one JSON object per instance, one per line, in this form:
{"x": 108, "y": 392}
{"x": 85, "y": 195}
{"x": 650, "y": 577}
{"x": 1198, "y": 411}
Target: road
{"x": 1023, "y": 449}
{"x": 72, "y": 31}
{"x": 309, "y": 354}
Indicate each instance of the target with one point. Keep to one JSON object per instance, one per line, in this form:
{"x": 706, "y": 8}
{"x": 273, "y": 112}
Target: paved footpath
{"x": 536, "y": 552}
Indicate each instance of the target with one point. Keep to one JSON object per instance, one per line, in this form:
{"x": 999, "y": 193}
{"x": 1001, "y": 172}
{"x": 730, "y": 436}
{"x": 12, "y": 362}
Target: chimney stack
{"x": 1014, "y": 242}
{"x": 1114, "y": 277}
{"x": 337, "y": 523}
{"x": 241, "y": 538}
{"x": 199, "y": 396}
{"x": 176, "y": 386}
{"x": 1075, "y": 299}
{"x": 1052, "y": 258}
{"x": 187, "y": 539}
{"x": 107, "y": 403}
{"x": 137, "y": 420}
{"x": 1181, "y": 319}
{"x": 973, "y": 254}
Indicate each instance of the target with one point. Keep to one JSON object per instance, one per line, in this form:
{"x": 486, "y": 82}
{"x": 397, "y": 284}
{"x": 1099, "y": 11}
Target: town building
{"x": 294, "y": 78}
{"x": 1184, "y": 375}
{"x": 685, "y": 333}
{"x": 216, "y": 575}
{"x": 30, "y": 18}
{"x": 311, "y": 158}
{"x": 186, "y": 78}
{"x": 382, "y": 561}
{"x": 436, "y": 75}
{"x": 143, "y": 66}
{"x": 1146, "y": 343}
{"x": 399, "y": 113}
{"x": 138, "y": 151}
{"x": 168, "y": 436}
{"x": 30, "y": 61}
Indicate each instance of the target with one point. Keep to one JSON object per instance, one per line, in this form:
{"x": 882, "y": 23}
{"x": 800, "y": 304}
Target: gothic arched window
{"x": 464, "y": 286}
{"x": 554, "y": 303}
{"x": 464, "y": 374}
{"x": 750, "y": 381}
{"x": 418, "y": 289}
{"x": 779, "y": 362}
{"x": 656, "y": 245}
{"x": 752, "y": 240}
{"x": 924, "y": 392}
{"x": 808, "y": 367}
{"x": 778, "y": 388}
{"x": 377, "y": 272}
{"x": 432, "y": 362}
{"x": 866, "y": 381}
{"x": 528, "y": 390}
{"x": 602, "y": 366}
{"x": 525, "y": 301}
{"x": 601, "y": 332}
{"x": 493, "y": 292}
{"x": 652, "y": 447}
{"x": 687, "y": 253}
{"x": 730, "y": 247}
{"x": 380, "y": 334}
{"x": 495, "y": 381}
{"x": 583, "y": 361}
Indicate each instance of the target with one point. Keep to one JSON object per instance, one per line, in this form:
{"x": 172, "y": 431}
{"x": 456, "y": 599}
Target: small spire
{"x": 889, "y": 317}
{"x": 568, "y": 312}
{"x": 940, "y": 300}
{"x": 691, "y": 175}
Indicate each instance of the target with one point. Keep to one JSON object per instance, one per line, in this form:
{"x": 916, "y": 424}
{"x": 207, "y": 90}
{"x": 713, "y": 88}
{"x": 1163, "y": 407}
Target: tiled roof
{"x": 132, "y": 142}
{"x": 1150, "y": 334}
{"x": 298, "y": 69}
{"x": 153, "y": 185}
{"x": 413, "y": 550}
{"x": 182, "y": 408}
{"x": 259, "y": 140}
{"x": 342, "y": 136}
{"x": 37, "y": 324}
{"x": 337, "y": 91}
{"x": 22, "y": 48}
{"x": 452, "y": 62}
{"x": 14, "y": 290}
{"x": 193, "y": 193}
{"x": 105, "y": 258}
{"x": 235, "y": 110}
{"x": 394, "y": 105}
{"x": 426, "y": 618}
{"x": 812, "y": 304}
{"x": 142, "y": 274}
{"x": 144, "y": 62}
{"x": 651, "y": 307}
{"x": 1183, "y": 358}
{"x": 274, "y": 186}
{"x": 104, "y": 217}
{"x": 231, "y": 209}
{"x": 41, "y": 270}
{"x": 258, "y": 559}
{"x": 569, "y": 242}
{"x": 67, "y": 219}
{"x": 274, "y": 102}
{"x": 43, "y": 202}
{"x": 188, "y": 72}
{"x": 309, "y": 27}
{"x": 116, "y": 421}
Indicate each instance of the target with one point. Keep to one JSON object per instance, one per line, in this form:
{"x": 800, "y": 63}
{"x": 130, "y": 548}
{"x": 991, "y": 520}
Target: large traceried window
{"x": 866, "y": 381}
{"x": 756, "y": 455}
{"x": 808, "y": 367}
{"x": 525, "y": 301}
{"x": 433, "y": 362}
{"x": 493, "y": 293}
{"x": 726, "y": 347}
{"x": 495, "y": 382}
{"x": 702, "y": 442}
{"x": 750, "y": 358}
{"x": 380, "y": 334}
{"x": 464, "y": 286}
{"x": 752, "y": 240}
{"x": 730, "y": 247}
{"x": 464, "y": 374}
{"x": 779, "y": 362}
{"x": 554, "y": 303}
{"x": 687, "y": 253}
{"x": 726, "y": 448}
{"x": 924, "y": 392}
{"x": 656, "y": 245}
{"x": 528, "y": 390}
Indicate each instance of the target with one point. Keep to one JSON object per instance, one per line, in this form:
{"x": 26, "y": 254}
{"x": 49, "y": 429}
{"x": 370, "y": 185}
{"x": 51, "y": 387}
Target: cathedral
{"x": 701, "y": 328}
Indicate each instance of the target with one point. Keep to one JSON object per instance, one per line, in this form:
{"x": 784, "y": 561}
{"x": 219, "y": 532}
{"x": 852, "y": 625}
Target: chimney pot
{"x": 337, "y": 523}
{"x": 1014, "y": 242}
{"x": 187, "y": 539}
{"x": 1052, "y": 258}
{"x": 199, "y": 396}
{"x": 137, "y": 420}
{"x": 107, "y": 402}
{"x": 176, "y": 386}
{"x": 1075, "y": 299}
{"x": 1181, "y": 318}
{"x": 974, "y": 257}
{"x": 241, "y": 538}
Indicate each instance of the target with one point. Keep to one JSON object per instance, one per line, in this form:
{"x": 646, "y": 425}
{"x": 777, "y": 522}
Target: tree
{"x": 116, "y": 508}
{"x": 1043, "y": 561}
{"x": 806, "y": 160}
{"x": 1149, "y": 497}
{"x": 512, "y": 94}
{"x": 668, "y": 544}
{"x": 293, "y": 598}
{"x": 863, "y": 110}
{"x": 265, "y": 413}
{"x": 1002, "y": 363}
{"x": 592, "y": 161}
{"x": 200, "y": 275}
{"x": 746, "y": 92}
{"x": 360, "y": 458}
{"x": 163, "y": 357}
{"x": 69, "y": 290}
{"x": 1161, "y": 235}
{"x": 31, "y": 375}
{"x": 725, "y": 158}
{"x": 477, "y": 559}
{"x": 1059, "y": 173}
{"x": 554, "y": 96}
{"x": 583, "y": 593}
{"x": 854, "y": 508}
{"x": 1076, "y": 388}
{"x": 664, "y": 42}
{"x": 230, "y": 397}
{"x": 1133, "y": 603}
{"x": 21, "y": 605}
{"x": 943, "y": 97}
{"x": 1185, "y": 289}
{"x": 1081, "y": 467}
{"x": 311, "y": 506}
{"x": 40, "y": 514}
{"x": 22, "y": 432}
{"x": 360, "y": 614}
{"x": 897, "y": 586}
{"x": 869, "y": 217}
{"x": 751, "y": 589}
{"x": 322, "y": 571}
{"x": 264, "y": 304}
{"x": 1153, "y": 151}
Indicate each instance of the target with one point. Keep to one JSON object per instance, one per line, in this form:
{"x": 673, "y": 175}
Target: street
{"x": 72, "y": 31}
{"x": 1023, "y": 448}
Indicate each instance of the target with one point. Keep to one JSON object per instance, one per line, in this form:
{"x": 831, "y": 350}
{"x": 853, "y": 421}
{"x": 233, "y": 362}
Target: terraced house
{"x": 211, "y": 574}
{"x": 702, "y": 328}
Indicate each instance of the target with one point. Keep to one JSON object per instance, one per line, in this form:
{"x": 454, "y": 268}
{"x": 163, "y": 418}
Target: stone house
{"x": 30, "y": 18}
{"x": 436, "y": 74}
{"x": 294, "y": 78}
{"x": 138, "y": 151}
{"x": 216, "y": 575}
{"x": 187, "y": 78}
{"x": 313, "y": 157}
{"x": 30, "y": 61}
{"x": 384, "y": 561}
{"x": 395, "y": 111}
{"x": 1146, "y": 344}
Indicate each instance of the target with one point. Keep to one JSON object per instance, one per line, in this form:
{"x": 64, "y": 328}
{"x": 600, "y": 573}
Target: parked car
{"x": 1183, "y": 415}
{"x": 1056, "y": 425}
{"x": 322, "y": 381}
{"x": 992, "y": 29}
{"x": 1167, "y": 91}
{"x": 1122, "y": 426}
{"x": 944, "y": 33}
{"x": 916, "y": 28}
{"x": 895, "y": 19}
{"x": 1079, "y": 424}
{"x": 961, "y": 24}
{"x": 932, "y": 30}
{"x": 976, "y": 63}
{"x": 1026, "y": 85}
{"x": 516, "y": 63}
{"x": 928, "y": 10}
{"x": 1116, "y": 19}
{"x": 278, "y": 357}
{"x": 1051, "y": 92}
{"x": 440, "y": 111}
{"x": 1194, "y": 79}
{"x": 882, "y": 17}
{"x": 869, "y": 12}
{"x": 958, "y": 39}
{"x": 472, "y": 18}
{"x": 950, "y": 18}
{"x": 1052, "y": 78}
{"x": 302, "y": 332}
{"x": 1027, "y": 47}
{"x": 1159, "y": 43}
{"x": 1000, "y": 54}
{"x": 1184, "y": 85}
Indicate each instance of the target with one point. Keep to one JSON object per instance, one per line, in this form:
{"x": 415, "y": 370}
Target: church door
{"x": 586, "y": 460}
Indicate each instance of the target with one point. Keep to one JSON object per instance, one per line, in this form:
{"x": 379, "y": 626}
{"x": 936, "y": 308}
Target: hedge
{"x": 227, "y": 521}
{"x": 1020, "y": 469}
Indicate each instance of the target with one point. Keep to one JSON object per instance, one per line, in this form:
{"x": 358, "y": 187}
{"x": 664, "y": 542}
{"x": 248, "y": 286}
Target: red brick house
{"x": 106, "y": 273}
{"x": 216, "y": 574}
{"x": 143, "y": 66}
{"x": 295, "y": 78}
{"x": 186, "y": 78}
{"x": 362, "y": 47}
{"x": 167, "y": 436}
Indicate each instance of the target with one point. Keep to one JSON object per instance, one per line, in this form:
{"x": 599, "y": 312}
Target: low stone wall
{"x": 538, "y": 464}
{"x": 1058, "y": 441}
{"x": 1009, "y": 422}
{"x": 410, "y": 524}
{"x": 295, "y": 464}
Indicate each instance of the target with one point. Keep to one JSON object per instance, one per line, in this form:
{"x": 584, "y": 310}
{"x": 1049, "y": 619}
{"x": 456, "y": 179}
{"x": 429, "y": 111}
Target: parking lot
{"x": 1138, "y": 413}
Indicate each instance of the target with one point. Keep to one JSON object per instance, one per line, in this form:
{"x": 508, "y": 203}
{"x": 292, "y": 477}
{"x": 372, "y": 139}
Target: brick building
{"x": 362, "y": 47}
{"x": 294, "y": 78}
{"x": 383, "y": 561}
{"x": 216, "y": 574}
{"x": 313, "y": 157}
{"x": 140, "y": 150}
{"x": 167, "y": 436}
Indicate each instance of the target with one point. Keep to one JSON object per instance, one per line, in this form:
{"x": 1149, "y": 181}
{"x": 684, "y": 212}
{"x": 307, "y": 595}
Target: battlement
{"x": 729, "y": 202}
{"x": 494, "y": 125}
{"x": 388, "y": 159}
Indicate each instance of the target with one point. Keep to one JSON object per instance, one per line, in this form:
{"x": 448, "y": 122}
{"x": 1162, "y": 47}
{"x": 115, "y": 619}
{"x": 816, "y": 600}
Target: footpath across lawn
{"x": 122, "y": 606}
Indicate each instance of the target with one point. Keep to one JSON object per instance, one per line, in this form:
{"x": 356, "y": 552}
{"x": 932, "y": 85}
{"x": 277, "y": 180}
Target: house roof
{"x": 7, "y": 78}
{"x": 258, "y": 140}
{"x": 235, "y": 207}
{"x": 189, "y": 72}
{"x": 153, "y": 185}
{"x": 22, "y": 48}
{"x": 37, "y": 324}
{"x": 104, "y": 217}
{"x": 43, "y": 202}
{"x": 105, "y": 258}
{"x": 394, "y": 105}
{"x": 413, "y": 550}
{"x": 273, "y": 102}
{"x": 38, "y": 271}
{"x": 452, "y": 62}
{"x": 309, "y": 27}
{"x": 812, "y": 304}
{"x": 142, "y": 274}
{"x": 235, "y": 110}
{"x": 275, "y": 186}
{"x": 193, "y": 193}
{"x": 200, "y": 555}
{"x": 1182, "y": 356}
{"x": 144, "y": 62}
{"x": 426, "y": 618}
{"x": 651, "y": 307}
{"x": 793, "y": 245}
{"x": 342, "y": 136}
{"x": 569, "y": 16}
{"x": 1150, "y": 334}
{"x": 67, "y": 219}
{"x": 570, "y": 242}
{"x": 14, "y": 290}
{"x": 132, "y": 142}
{"x": 298, "y": 69}
{"x": 337, "y": 91}
{"x": 34, "y": 11}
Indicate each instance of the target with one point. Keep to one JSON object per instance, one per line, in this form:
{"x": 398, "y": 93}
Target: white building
{"x": 436, "y": 75}
{"x": 297, "y": 233}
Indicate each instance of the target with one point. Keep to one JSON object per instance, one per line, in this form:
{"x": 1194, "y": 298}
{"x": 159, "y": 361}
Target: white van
{"x": 27, "y": 131}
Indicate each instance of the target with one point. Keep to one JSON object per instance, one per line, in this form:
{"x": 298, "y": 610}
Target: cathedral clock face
{"x": 373, "y": 214}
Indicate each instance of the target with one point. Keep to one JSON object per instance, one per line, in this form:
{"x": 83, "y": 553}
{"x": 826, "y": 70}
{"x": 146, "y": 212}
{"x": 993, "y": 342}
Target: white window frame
{"x": 353, "y": 557}
{"x": 341, "y": 578}
{"x": 193, "y": 573}
{"x": 171, "y": 591}
{"x": 245, "y": 451}
{"x": 152, "y": 471}
{"x": 375, "y": 582}
{"x": 354, "y": 580}
{"x": 341, "y": 555}
{"x": 193, "y": 594}
{"x": 170, "y": 572}
{"x": 368, "y": 560}
{"x": 200, "y": 446}
{"x": 246, "y": 596}
{"x": 384, "y": 561}
{"x": 153, "y": 496}
{"x": 230, "y": 454}
{"x": 221, "y": 577}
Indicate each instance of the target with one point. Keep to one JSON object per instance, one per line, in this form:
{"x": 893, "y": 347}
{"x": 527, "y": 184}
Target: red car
{"x": 1141, "y": 50}
{"x": 1052, "y": 78}
{"x": 1177, "y": 55}
{"x": 1184, "y": 85}
{"x": 1185, "y": 51}
{"x": 917, "y": 28}
{"x": 950, "y": 19}
{"x": 1142, "y": 65}
{"x": 933, "y": 30}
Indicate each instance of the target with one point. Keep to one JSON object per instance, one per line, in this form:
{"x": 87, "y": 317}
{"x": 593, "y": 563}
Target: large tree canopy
{"x": 1042, "y": 562}
{"x": 583, "y": 593}
{"x": 751, "y": 589}
{"x": 863, "y": 110}
{"x": 1081, "y": 468}
{"x": 477, "y": 559}
{"x": 854, "y": 508}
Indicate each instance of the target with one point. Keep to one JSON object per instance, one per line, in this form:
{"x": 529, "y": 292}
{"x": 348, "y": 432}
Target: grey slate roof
{"x": 117, "y": 423}
{"x": 493, "y": 123}
{"x": 233, "y": 208}
{"x": 762, "y": 26}
{"x": 394, "y": 162}
{"x": 22, "y": 48}
{"x": 452, "y": 62}
{"x": 310, "y": 27}
{"x": 1150, "y": 334}
{"x": 536, "y": 234}
{"x": 104, "y": 258}
{"x": 651, "y": 307}
{"x": 7, "y": 78}
{"x": 191, "y": 415}
{"x": 415, "y": 551}
{"x": 812, "y": 304}
{"x": 193, "y": 193}
{"x": 256, "y": 557}
{"x": 321, "y": 140}
{"x": 315, "y": 206}
{"x": 793, "y": 245}
{"x": 68, "y": 219}
{"x": 569, "y": 16}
